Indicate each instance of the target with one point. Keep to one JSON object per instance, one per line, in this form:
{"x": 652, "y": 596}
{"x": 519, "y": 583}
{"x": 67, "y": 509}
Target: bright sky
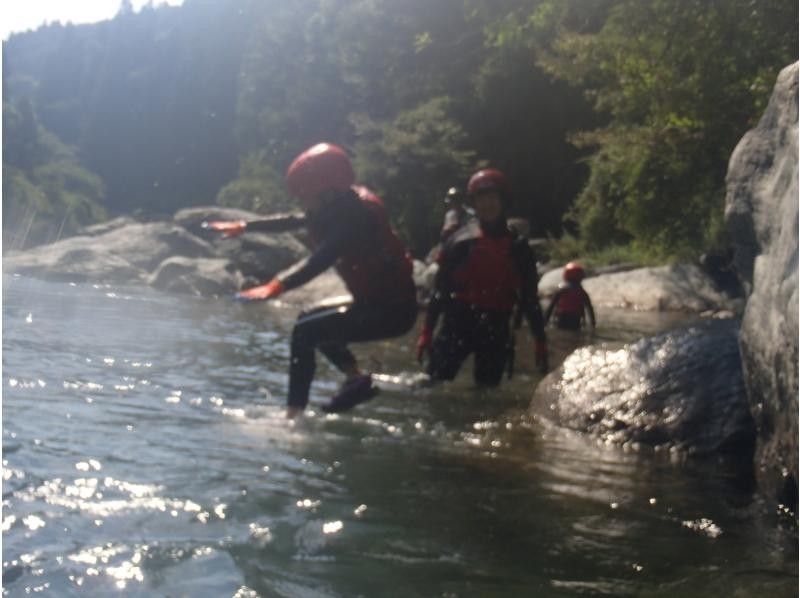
{"x": 21, "y": 15}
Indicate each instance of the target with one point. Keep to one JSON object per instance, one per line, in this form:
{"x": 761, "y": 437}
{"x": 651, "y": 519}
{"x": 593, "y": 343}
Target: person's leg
{"x": 491, "y": 352}
{"x": 451, "y": 346}
{"x": 329, "y": 329}
{"x": 362, "y": 323}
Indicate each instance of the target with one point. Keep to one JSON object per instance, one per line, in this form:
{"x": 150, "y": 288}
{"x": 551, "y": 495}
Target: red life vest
{"x": 489, "y": 279}
{"x": 377, "y": 271}
{"x": 570, "y": 302}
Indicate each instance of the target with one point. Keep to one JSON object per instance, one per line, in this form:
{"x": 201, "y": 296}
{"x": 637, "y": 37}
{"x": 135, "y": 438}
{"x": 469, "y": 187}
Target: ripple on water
{"x": 146, "y": 452}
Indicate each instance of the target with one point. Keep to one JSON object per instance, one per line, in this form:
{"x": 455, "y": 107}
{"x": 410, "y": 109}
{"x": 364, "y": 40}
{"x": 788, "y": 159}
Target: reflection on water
{"x": 145, "y": 453}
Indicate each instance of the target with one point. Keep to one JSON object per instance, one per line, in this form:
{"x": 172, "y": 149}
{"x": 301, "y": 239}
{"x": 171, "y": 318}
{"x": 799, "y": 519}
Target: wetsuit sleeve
{"x": 440, "y": 296}
{"x": 529, "y": 292}
{"x": 325, "y": 256}
{"x": 279, "y": 223}
{"x": 587, "y": 303}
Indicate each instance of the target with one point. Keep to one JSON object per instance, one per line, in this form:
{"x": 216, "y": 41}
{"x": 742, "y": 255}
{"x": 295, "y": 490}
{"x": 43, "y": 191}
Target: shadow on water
{"x": 146, "y": 453}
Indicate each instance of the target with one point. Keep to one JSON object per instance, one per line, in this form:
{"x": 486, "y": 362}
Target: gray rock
{"x": 258, "y": 256}
{"x": 681, "y": 391}
{"x": 683, "y": 287}
{"x": 762, "y": 216}
{"x": 122, "y": 254}
{"x": 197, "y": 276}
{"x": 103, "y": 227}
{"x": 147, "y": 245}
{"x": 76, "y": 259}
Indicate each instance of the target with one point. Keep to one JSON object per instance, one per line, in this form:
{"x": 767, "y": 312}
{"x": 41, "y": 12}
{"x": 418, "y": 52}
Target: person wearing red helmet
{"x": 485, "y": 273}
{"x": 571, "y": 301}
{"x": 349, "y": 229}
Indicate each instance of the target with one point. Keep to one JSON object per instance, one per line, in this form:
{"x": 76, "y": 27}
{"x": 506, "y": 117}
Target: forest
{"x": 613, "y": 119}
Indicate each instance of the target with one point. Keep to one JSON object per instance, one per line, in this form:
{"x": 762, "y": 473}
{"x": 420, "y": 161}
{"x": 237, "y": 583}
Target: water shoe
{"x": 352, "y": 393}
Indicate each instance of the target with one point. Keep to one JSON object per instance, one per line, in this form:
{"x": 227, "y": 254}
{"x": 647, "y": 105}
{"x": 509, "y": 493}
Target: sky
{"x": 20, "y": 15}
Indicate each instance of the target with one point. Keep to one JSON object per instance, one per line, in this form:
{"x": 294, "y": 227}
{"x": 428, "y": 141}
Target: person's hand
{"x": 261, "y": 293}
{"x": 424, "y": 343}
{"x": 540, "y": 354}
{"x": 228, "y": 228}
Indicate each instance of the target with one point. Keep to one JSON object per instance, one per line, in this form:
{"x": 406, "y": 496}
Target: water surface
{"x": 145, "y": 453}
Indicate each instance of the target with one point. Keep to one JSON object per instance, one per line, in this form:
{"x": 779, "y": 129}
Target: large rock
{"x": 178, "y": 256}
{"x": 762, "y": 216}
{"x": 682, "y": 287}
{"x": 200, "y": 276}
{"x": 258, "y": 256}
{"x": 122, "y": 254}
{"x": 681, "y": 391}
{"x": 76, "y": 259}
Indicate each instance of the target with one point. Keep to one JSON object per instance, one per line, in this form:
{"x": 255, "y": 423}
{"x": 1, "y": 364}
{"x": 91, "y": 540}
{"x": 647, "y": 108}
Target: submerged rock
{"x": 762, "y": 217}
{"x": 681, "y": 390}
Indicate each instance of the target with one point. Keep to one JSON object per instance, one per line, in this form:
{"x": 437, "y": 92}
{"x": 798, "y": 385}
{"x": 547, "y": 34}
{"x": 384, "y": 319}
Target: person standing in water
{"x": 349, "y": 229}
{"x": 457, "y": 214}
{"x": 485, "y": 271}
{"x": 571, "y": 301}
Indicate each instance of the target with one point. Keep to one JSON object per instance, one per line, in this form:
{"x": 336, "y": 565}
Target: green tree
{"x": 410, "y": 160}
{"x": 46, "y": 192}
{"x": 680, "y": 82}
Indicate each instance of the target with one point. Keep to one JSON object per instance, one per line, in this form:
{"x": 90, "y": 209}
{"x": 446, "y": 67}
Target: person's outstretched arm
{"x": 279, "y": 223}
{"x": 587, "y": 303}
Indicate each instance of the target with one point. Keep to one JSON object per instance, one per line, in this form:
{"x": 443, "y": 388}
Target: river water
{"x": 145, "y": 453}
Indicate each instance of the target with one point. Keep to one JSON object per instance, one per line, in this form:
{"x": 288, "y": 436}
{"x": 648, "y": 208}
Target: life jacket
{"x": 489, "y": 278}
{"x": 377, "y": 266}
{"x": 570, "y": 302}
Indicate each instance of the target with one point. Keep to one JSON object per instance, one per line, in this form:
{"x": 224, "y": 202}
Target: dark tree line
{"x": 612, "y": 118}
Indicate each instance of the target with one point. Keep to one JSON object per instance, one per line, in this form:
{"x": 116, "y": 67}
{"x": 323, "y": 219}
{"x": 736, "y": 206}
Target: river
{"x": 145, "y": 453}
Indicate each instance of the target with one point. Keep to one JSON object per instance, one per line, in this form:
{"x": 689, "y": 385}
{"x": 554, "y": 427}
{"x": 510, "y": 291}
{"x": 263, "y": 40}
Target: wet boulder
{"x": 680, "y": 391}
{"x": 762, "y": 217}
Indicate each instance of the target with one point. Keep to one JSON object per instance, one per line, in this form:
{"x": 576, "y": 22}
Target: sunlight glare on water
{"x": 146, "y": 452}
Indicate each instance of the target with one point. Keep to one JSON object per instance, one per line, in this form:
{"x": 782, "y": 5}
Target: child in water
{"x": 571, "y": 302}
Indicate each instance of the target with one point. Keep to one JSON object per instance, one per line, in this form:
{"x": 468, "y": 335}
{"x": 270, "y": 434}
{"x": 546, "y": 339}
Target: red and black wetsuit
{"x": 569, "y": 303}
{"x": 352, "y": 233}
{"x": 484, "y": 272}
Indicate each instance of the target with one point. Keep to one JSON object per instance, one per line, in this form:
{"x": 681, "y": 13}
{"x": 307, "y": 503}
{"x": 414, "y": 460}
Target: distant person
{"x": 457, "y": 214}
{"x": 571, "y": 302}
{"x": 350, "y": 230}
{"x": 485, "y": 271}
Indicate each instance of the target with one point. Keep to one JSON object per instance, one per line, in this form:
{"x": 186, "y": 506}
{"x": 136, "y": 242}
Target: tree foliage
{"x": 46, "y": 192}
{"x": 619, "y": 115}
{"x": 680, "y": 83}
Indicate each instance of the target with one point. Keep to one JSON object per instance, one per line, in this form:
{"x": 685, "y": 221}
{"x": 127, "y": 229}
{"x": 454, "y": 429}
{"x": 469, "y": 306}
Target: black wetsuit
{"x": 352, "y": 233}
{"x": 485, "y": 272}
{"x": 570, "y": 302}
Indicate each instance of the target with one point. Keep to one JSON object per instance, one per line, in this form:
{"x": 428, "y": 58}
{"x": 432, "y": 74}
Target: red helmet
{"x": 321, "y": 167}
{"x": 487, "y": 179}
{"x": 573, "y": 272}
